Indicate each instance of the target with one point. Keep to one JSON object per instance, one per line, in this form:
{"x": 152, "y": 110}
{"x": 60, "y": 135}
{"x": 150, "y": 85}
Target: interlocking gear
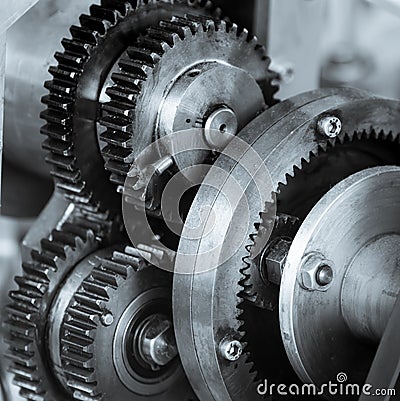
{"x": 185, "y": 73}
{"x": 79, "y": 80}
{"x": 290, "y": 147}
{"x": 111, "y": 336}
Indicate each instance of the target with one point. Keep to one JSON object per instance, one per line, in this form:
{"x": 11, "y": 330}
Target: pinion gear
{"x": 195, "y": 64}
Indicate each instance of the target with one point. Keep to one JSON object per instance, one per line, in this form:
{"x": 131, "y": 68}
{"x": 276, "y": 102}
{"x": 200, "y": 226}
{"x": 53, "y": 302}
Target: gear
{"x": 78, "y": 81}
{"x": 27, "y": 315}
{"x": 111, "y": 334}
{"x": 202, "y": 68}
{"x": 293, "y": 125}
{"x": 41, "y": 279}
{"x": 258, "y": 288}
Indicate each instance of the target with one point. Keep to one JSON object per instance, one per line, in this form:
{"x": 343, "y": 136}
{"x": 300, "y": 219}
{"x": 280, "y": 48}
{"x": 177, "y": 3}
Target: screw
{"x": 330, "y": 126}
{"x": 324, "y": 275}
{"x": 231, "y": 350}
{"x": 107, "y": 319}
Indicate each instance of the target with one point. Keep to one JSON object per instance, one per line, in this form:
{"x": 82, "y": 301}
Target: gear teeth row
{"x": 63, "y": 89}
{"x": 28, "y": 310}
{"x": 247, "y": 294}
{"x": 119, "y": 113}
{"x": 84, "y": 43}
{"x": 84, "y": 315}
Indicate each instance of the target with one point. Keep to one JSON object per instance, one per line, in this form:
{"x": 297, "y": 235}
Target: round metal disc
{"x": 351, "y": 223}
{"x": 205, "y": 305}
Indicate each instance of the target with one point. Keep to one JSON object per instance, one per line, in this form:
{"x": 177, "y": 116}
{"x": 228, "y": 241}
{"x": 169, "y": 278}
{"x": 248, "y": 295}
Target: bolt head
{"x": 107, "y": 319}
{"x": 330, "y": 126}
{"x": 324, "y": 275}
{"x": 274, "y": 260}
{"x": 231, "y": 350}
{"x": 316, "y": 273}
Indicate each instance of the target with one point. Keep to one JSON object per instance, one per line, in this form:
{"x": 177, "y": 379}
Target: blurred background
{"x": 312, "y": 43}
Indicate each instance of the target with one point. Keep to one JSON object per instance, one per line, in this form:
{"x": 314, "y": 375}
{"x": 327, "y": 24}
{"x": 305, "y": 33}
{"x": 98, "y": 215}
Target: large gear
{"x": 78, "y": 82}
{"x": 98, "y": 324}
{"x": 362, "y": 121}
{"x": 179, "y": 76}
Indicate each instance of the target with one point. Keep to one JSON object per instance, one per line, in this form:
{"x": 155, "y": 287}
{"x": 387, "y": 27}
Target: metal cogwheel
{"x": 212, "y": 74}
{"x": 78, "y": 81}
{"x": 111, "y": 334}
{"x": 292, "y": 142}
{"x": 28, "y": 312}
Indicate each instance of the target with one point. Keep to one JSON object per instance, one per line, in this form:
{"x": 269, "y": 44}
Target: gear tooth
{"x": 125, "y": 156}
{"x": 90, "y": 301}
{"x": 60, "y": 87}
{"x": 153, "y": 47}
{"x": 148, "y": 56}
{"x": 63, "y": 74}
{"x": 127, "y": 80}
{"x": 94, "y": 24}
{"x": 118, "y": 108}
{"x": 118, "y": 168}
{"x": 72, "y": 177}
{"x": 167, "y": 36}
{"x": 76, "y": 47}
{"x": 70, "y": 60}
{"x": 122, "y": 94}
{"x": 116, "y": 138}
{"x": 55, "y": 117}
{"x": 58, "y": 147}
{"x": 136, "y": 69}
{"x": 26, "y": 298}
{"x": 57, "y": 132}
{"x": 30, "y": 286}
{"x": 104, "y": 13}
{"x": 58, "y": 102}
{"x": 178, "y": 27}
{"x": 57, "y": 248}
{"x": 84, "y": 35}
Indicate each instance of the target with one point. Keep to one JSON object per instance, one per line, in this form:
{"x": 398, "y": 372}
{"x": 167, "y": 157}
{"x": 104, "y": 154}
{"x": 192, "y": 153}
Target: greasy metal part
{"x": 73, "y": 101}
{"x": 220, "y": 126}
{"x": 175, "y": 78}
{"x": 266, "y": 268}
{"x": 41, "y": 28}
{"x": 312, "y": 271}
{"x": 273, "y": 260}
{"x": 157, "y": 343}
{"x": 324, "y": 332}
{"x": 385, "y": 370}
{"x": 98, "y": 361}
{"x": 75, "y": 233}
{"x": 289, "y": 125}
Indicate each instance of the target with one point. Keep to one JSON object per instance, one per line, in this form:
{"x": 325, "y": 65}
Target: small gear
{"x": 111, "y": 331}
{"x": 201, "y": 68}
{"x": 258, "y": 288}
{"x": 27, "y": 314}
{"x": 78, "y": 82}
{"x": 42, "y": 276}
